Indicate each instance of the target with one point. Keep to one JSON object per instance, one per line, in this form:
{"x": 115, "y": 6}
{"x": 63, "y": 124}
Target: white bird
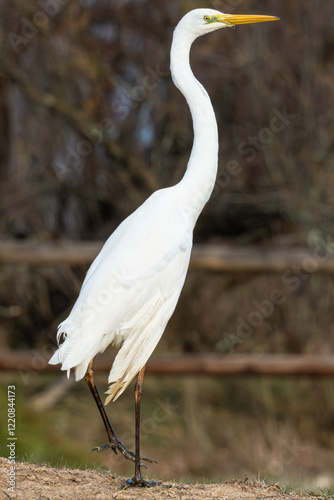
{"x": 133, "y": 285}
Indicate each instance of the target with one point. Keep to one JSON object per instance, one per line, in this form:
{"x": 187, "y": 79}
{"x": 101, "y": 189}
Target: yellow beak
{"x": 232, "y": 20}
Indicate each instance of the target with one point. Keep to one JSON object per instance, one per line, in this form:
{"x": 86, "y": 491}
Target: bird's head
{"x": 202, "y": 21}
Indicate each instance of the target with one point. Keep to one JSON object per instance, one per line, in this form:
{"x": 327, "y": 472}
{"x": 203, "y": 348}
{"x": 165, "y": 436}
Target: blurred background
{"x": 91, "y": 126}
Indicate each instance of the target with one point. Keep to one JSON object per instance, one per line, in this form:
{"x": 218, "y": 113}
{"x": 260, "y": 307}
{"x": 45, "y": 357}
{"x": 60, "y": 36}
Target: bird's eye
{"x": 207, "y": 18}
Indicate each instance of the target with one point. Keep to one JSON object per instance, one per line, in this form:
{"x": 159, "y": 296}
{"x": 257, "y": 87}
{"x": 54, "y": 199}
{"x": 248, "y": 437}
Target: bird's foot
{"x": 137, "y": 480}
{"x": 116, "y": 446}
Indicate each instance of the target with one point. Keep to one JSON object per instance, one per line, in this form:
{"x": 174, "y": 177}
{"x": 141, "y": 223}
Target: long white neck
{"x": 199, "y": 179}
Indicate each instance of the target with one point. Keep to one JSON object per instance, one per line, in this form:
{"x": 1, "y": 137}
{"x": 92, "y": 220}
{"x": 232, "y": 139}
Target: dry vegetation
{"x": 92, "y": 125}
{"x": 46, "y": 483}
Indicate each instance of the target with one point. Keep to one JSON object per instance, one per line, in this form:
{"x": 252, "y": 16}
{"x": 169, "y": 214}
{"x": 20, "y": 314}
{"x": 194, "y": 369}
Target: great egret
{"x": 133, "y": 285}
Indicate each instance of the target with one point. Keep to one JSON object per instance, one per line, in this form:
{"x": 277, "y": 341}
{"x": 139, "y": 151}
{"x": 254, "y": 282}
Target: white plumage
{"x": 130, "y": 291}
{"x": 133, "y": 286}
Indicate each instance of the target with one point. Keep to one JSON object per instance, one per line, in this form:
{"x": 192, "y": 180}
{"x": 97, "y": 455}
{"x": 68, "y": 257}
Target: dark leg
{"x": 114, "y": 443}
{"x": 137, "y": 479}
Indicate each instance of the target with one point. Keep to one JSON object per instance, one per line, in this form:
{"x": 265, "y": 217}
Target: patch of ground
{"x": 39, "y": 482}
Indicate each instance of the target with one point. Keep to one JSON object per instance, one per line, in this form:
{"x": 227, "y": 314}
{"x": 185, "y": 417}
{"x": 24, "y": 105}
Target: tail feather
{"x": 134, "y": 353}
{"x": 81, "y": 369}
{"x": 73, "y": 352}
{"x": 135, "y": 358}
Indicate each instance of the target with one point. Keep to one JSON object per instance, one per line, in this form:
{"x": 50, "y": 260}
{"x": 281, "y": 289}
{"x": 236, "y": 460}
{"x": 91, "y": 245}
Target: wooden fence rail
{"x": 213, "y": 365}
{"x": 219, "y": 258}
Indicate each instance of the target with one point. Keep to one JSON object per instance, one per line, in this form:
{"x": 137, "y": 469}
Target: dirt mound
{"x": 48, "y": 483}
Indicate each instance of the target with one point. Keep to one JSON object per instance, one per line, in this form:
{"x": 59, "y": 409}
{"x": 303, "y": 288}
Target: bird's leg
{"x": 137, "y": 479}
{"x": 114, "y": 443}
